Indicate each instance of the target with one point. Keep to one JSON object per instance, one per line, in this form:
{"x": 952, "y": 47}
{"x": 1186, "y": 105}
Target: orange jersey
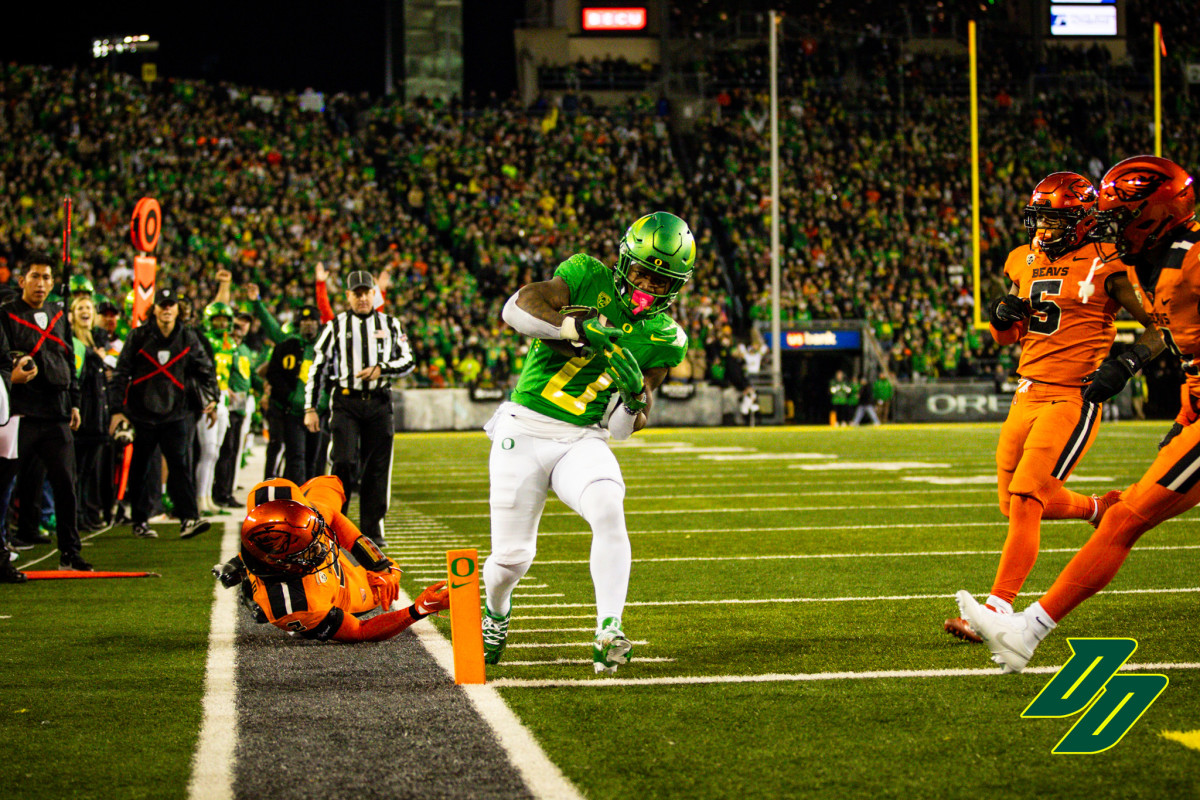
{"x": 1170, "y": 291}
{"x": 1072, "y": 327}
{"x": 315, "y": 605}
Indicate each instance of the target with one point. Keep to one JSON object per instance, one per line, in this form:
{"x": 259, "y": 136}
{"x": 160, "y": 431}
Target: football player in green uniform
{"x": 218, "y": 317}
{"x": 600, "y": 331}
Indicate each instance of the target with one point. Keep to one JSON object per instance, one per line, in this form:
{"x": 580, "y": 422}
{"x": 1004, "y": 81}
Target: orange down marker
{"x": 466, "y": 621}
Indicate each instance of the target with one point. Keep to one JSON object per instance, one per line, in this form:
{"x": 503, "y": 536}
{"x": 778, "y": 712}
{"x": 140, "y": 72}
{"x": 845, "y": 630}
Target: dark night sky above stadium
{"x": 331, "y": 46}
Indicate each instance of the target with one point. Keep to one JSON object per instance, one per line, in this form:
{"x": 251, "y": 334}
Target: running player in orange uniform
{"x": 297, "y": 573}
{"x": 1061, "y": 307}
{"x": 1147, "y": 209}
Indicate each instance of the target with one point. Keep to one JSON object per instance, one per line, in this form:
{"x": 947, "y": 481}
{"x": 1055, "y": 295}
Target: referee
{"x": 359, "y": 352}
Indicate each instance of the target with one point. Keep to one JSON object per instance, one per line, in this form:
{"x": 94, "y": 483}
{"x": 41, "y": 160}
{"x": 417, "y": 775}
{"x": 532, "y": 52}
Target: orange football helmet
{"x": 1061, "y": 213}
{"x": 287, "y": 536}
{"x": 1141, "y": 200}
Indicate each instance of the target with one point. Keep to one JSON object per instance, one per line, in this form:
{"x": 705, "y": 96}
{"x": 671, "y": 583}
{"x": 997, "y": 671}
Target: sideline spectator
{"x": 149, "y": 389}
{"x": 48, "y": 406}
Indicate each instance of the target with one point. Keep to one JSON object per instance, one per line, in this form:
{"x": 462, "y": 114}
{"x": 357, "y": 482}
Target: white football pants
{"x": 530, "y": 456}
{"x": 210, "y": 448}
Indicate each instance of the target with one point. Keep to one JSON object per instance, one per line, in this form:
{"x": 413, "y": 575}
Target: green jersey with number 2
{"x": 577, "y": 390}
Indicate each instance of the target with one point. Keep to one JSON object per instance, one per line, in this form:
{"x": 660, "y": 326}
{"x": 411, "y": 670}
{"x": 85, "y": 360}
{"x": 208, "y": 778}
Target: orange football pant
{"x": 1170, "y": 487}
{"x": 1047, "y": 432}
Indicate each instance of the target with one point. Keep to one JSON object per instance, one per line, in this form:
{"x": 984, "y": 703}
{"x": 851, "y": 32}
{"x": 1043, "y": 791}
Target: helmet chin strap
{"x": 641, "y": 300}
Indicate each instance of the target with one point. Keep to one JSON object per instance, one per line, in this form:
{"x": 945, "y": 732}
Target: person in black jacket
{"x": 48, "y": 406}
{"x": 149, "y": 389}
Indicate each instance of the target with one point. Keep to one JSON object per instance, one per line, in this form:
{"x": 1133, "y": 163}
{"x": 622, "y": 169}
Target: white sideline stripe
{"x": 565, "y": 644}
{"x": 735, "y": 510}
{"x": 866, "y": 555}
{"x": 536, "y": 683}
{"x": 756, "y": 601}
{"x": 212, "y": 763}
{"x": 551, "y": 661}
{"x": 541, "y": 775}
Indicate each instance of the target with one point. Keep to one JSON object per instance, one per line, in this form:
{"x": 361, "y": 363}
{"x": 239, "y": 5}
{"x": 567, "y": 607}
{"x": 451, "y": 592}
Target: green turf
{"x": 882, "y": 737}
{"x": 102, "y": 679}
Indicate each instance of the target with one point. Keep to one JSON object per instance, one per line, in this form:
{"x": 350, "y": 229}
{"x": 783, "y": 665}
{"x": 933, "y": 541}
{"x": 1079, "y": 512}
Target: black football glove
{"x": 1110, "y": 377}
{"x": 1007, "y": 310}
{"x": 1176, "y": 429}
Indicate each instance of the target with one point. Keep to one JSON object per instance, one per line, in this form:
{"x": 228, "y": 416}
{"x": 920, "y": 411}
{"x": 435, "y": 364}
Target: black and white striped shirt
{"x": 349, "y": 344}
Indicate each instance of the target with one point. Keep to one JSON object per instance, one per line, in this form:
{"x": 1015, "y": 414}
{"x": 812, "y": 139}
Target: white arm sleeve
{"x": 620, "y": 423}
{"x": 528, "y": 324}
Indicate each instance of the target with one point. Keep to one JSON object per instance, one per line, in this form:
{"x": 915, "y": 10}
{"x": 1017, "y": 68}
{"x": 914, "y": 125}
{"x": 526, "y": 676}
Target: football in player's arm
{"x": 305, "y": 568}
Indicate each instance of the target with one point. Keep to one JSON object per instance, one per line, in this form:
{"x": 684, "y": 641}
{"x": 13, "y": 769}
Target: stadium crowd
{"x": 455, "y": 205}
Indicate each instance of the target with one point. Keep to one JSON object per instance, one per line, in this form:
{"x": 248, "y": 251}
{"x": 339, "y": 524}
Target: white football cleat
{"x": 611, "y": 648}
{"x": 1004, "y": 634}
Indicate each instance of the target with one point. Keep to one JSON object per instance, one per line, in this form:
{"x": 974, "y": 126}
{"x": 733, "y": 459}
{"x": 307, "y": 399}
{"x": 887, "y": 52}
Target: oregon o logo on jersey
{"x": 507, "y": 444}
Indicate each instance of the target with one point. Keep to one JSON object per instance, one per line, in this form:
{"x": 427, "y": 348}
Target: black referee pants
{"x": 362, "y": 454}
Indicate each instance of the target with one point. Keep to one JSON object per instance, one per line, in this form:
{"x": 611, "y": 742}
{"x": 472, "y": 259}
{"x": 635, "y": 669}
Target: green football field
{"x": 787, "y": 596}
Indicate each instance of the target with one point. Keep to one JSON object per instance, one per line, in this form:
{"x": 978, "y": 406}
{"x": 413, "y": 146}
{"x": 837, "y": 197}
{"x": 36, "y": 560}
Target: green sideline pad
{"x": 58, "y": 574}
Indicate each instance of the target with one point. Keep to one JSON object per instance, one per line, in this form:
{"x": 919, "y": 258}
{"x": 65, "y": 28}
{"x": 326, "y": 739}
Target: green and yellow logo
{"x": 602, "y": 300}
{"x": 1089, "y": 682}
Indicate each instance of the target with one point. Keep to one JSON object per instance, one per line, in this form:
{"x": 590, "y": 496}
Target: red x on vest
{"x": 44, "y": 334}
{"x": 160, "y": 369}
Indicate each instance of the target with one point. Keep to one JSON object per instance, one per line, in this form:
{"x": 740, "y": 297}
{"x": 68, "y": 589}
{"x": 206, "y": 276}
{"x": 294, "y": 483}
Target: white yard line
{"x": 533, "y": 683}
{"x": 564, "y": 644}
{"x": 582, "y": 661}
{"x": 550, "y": 630}
{"x": 860, "y": 599}
{"x": 736, "y": 510}
{"x": 803, "y": 556}
{"x": 999, "y": 523}
{"x": 541, "y": 775}
{"x": 212, "y": 763}
{"x": 933, "y": 489}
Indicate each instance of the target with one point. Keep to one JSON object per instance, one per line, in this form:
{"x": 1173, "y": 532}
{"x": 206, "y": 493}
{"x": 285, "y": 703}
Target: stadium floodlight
{"x": 116, "y": 45}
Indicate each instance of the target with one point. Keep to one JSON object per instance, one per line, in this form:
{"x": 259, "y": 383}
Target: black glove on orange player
{"x": 1111, "y": 376}
{"x": 1007, "y": 310}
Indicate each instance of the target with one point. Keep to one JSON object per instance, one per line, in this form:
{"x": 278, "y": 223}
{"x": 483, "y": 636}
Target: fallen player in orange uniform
{"x": 305, "y": 568}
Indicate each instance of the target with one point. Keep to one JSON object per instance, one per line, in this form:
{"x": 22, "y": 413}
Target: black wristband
{"x": 1134, "y": 358}
{"x": 412, "y": 612}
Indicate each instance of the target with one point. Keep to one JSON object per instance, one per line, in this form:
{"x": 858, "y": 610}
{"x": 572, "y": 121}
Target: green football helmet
{"x": 214, "y": 310}
{"x": 81, "y": 283}
{"x": 662, "y": 244}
